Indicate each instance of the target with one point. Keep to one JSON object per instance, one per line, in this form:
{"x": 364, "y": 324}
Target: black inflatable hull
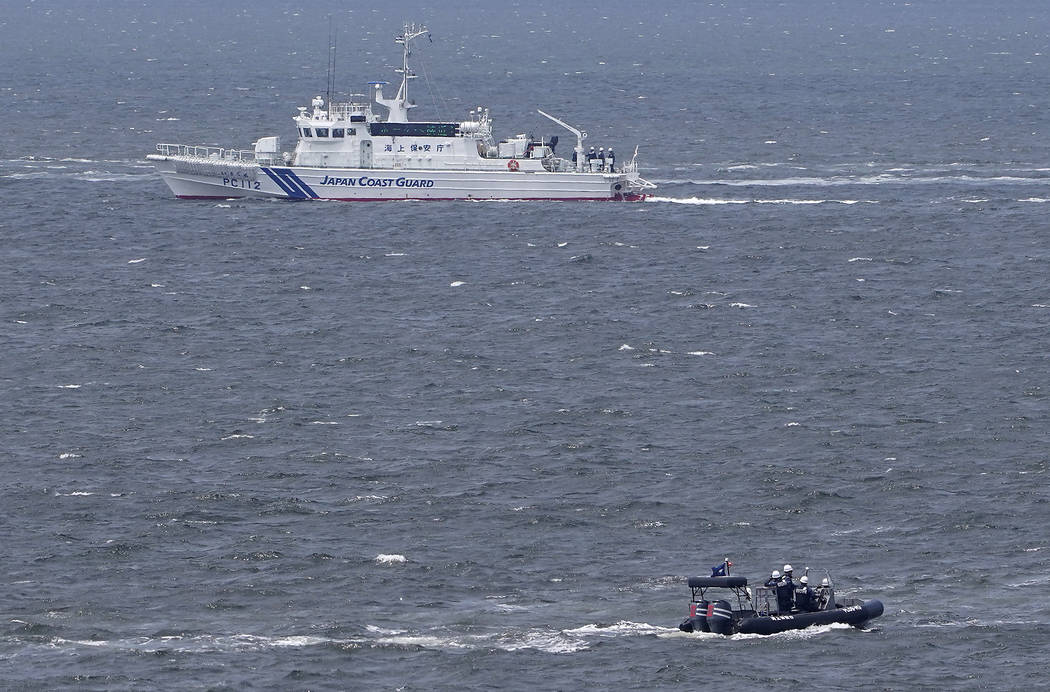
{"x": 855, "y": 615}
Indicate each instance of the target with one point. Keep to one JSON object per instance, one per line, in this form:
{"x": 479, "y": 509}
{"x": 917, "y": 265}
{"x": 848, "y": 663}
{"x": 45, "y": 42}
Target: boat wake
{"x": 860, "y": 180}
{"x": 566, "y": 641}
{"x": 75, "y": 169}
{"x": 712, "y": 201}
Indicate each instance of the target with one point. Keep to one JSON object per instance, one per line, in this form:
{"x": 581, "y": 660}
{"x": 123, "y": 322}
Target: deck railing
{"x": 212, "y": 153}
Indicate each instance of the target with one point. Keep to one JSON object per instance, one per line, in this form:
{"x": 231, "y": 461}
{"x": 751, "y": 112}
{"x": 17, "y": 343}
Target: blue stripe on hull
{"x": 293, "y": 185}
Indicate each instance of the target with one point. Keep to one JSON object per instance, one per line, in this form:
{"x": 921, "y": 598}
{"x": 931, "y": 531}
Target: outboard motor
{"x": 697, "y": 620}
{"x": 720, "y": 617}
{"x": 700, "y": 621}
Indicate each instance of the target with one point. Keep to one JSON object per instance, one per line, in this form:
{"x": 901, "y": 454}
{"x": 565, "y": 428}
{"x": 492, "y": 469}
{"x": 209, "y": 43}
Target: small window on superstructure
{"x": 352, "y": 131}
{"x": 337, "y": 132}
{"x": 321, "y": 131}
{"x": 306, "y": 132}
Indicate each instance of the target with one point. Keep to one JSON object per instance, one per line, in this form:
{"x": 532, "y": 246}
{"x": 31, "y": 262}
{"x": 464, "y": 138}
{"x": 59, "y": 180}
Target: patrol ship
{"x": 345, "y": 151}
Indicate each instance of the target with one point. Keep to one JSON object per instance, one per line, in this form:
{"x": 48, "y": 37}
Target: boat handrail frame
{"x": 207, "y": 153}
{"x": 741, "y": 591}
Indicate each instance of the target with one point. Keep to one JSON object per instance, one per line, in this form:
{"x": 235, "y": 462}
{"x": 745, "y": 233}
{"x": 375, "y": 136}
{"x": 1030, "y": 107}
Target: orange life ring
{"x": 512, "y": 165}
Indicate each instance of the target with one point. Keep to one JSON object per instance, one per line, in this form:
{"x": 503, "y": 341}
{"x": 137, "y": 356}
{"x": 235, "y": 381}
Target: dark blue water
{"x": 262, "y": 445}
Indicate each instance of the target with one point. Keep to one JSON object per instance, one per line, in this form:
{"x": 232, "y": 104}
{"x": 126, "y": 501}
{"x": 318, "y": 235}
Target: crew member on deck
{"x": 785, "y": 592}
{"x": 773, "y": 580}
{"x": 601, "y": 157}
{"x": 785, "y": 597}
{"x": 824, "y": 595}
{"x": 805, "y": 598}
{"x": 611, "y": 158}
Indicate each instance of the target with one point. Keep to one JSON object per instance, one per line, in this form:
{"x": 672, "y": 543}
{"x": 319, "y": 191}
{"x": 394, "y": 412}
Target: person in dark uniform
{"x": 601, "y": 157}
{"x": 786, "y": 592}
{"x": 611, "y": 158}
{"x": 805, "y": 598}
{"x": 824, "y": 595}
{"x": 773, "y": 580}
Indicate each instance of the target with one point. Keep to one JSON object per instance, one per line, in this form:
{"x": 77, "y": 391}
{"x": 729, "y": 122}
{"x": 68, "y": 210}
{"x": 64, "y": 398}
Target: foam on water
{"x": 701, "y": 201}
{"x": 390, "y": 559}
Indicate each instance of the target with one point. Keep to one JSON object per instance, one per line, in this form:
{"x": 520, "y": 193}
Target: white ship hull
{"x": 200, "y": 178}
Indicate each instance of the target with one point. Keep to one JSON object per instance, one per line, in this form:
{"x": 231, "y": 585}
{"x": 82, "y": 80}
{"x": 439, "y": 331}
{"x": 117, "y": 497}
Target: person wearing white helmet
{"x": 824, "y": 595}
{"x": 805, "y": 598}
{"x": 773, "y": 580}
{"x": 785, "y": 592}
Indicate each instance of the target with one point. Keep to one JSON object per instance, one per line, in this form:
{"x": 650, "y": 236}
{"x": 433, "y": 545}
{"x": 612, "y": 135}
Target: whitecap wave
{"x": 390, "y": 559}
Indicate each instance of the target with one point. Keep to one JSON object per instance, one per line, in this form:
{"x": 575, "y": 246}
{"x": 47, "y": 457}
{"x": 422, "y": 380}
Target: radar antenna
{"x": 331, "y": 63}
{"x": 400, "y": 104}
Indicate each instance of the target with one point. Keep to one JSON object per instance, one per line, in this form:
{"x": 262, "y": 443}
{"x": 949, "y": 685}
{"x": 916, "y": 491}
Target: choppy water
{"x": 418, "y": 446}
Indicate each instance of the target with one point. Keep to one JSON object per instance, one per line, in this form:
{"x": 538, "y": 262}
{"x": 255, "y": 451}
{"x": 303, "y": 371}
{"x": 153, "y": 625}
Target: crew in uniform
{"x": 786, "y": 592}
{"x": 773, "y": 580}
{"x": 824, "y": 595}
{"x": 805, "y": 598}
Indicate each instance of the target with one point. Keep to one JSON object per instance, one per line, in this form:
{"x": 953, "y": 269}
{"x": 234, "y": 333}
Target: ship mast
{"x": 399, "y": 105}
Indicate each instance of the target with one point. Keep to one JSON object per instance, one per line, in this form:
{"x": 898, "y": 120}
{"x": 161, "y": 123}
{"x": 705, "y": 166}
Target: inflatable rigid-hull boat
{"x": 761, "y": 615}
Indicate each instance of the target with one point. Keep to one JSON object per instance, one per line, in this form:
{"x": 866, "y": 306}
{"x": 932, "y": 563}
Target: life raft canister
{"x": 512, "y": 164}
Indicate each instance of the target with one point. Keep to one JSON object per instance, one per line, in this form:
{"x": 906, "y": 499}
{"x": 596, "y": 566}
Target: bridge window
{"x": 337, "y": 132}
{"x": 321, "y": 131}
{"x": 414, "y": 129}
{"x": 306, "y": 132}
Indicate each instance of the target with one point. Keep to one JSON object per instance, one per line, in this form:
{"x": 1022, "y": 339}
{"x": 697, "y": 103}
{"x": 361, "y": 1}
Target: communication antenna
{"x": 331, "y": 62}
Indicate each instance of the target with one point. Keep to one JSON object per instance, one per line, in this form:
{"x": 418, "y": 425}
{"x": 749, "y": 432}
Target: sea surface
{"x": 474, "y": 446}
